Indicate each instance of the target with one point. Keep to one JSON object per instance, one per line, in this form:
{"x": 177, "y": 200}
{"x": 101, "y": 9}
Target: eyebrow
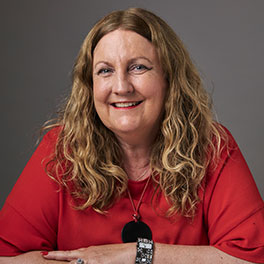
{"x": 129, "y": 62}
{"x": 103, "y": 62}
{"x": 141, "y": 57}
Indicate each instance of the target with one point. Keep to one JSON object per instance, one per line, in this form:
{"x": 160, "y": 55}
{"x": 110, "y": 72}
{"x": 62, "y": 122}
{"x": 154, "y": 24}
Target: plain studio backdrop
{"x": 40, "y": 41}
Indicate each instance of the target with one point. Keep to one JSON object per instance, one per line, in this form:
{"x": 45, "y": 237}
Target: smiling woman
{"x": 134, "y": 169}
{"x": 129, "y": 86}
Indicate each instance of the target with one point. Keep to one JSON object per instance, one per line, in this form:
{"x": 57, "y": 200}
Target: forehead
{"x": 120, "y": 44}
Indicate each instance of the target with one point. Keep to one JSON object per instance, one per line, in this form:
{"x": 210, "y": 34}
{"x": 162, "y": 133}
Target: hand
{"x": 105, "y": 254}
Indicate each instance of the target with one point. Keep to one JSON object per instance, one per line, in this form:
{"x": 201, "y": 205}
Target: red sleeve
{"x": 28, "y": 220}
{"x": 234, "y": 208}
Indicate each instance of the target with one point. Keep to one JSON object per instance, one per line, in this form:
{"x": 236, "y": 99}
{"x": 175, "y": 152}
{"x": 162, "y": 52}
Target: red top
{"x": 39, "y": 216}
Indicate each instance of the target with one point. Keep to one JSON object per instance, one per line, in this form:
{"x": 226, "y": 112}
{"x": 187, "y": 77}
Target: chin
{"x": 125, "y": 125}
{"x": 122, "y": 130}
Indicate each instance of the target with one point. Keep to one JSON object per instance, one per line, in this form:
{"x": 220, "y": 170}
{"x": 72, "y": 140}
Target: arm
{"x": 32, "y": 257}
{"x": 126, "y": 253}
{"x": 163, "y": 253}
{"x": 192, "y": 254}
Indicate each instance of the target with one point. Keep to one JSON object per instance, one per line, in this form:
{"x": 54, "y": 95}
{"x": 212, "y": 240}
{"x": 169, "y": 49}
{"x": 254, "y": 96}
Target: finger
{"x": 67, "y": 255}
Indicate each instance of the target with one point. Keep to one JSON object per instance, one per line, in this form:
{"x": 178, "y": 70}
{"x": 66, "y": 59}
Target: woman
{"x": 134, "y": 157}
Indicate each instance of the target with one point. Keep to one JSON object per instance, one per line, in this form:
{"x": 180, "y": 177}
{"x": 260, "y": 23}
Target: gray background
{"x": 40, "y": 40}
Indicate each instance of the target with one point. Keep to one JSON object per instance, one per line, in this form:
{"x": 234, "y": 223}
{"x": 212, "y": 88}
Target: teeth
{"x": 125, "y": 104}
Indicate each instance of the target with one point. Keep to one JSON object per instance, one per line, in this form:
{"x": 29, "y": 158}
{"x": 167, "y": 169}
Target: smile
{"x": 126, "y": 104}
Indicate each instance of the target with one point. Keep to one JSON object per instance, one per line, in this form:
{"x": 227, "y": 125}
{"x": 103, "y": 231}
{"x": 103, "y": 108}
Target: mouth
{"x": 126, "y": 104}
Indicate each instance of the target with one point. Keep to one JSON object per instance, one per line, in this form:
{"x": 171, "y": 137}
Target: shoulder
{"x": 226, "y": 141}
{"x": 222, "y": 145}
{"x": 229, "y": 159}
{"x": 229, "y": 185}
{"x": 52, "y": 135}
{"x": 48, "y": 141}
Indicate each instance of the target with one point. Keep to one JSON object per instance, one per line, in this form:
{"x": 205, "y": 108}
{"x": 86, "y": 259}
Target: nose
{"x": 122, "y": 84}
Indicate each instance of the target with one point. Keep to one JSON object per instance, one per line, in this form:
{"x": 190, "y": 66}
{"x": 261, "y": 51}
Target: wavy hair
{"x": 87, "y": 154}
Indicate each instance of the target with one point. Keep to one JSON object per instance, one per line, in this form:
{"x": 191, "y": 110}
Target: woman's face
{"x": 128, "y": 84}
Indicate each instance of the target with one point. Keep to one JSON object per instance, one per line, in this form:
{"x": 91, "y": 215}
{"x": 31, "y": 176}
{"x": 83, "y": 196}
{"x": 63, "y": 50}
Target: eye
{"x": 104, "y": 71}
{"x": 139, "y": 68}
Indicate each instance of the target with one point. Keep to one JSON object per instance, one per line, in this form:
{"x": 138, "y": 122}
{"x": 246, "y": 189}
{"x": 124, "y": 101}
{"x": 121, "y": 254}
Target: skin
{"x": 126, "y": 253}
{"x": 129, "y": 72}
{"x": 127, "y": 69}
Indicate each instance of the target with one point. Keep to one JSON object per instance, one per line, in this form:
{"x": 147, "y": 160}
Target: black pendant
{"x": 133, "y": 230}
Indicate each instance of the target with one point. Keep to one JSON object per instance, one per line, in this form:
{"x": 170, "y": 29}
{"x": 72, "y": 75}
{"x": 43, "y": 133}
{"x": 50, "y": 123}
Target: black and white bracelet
{"x": 144, "y": 251}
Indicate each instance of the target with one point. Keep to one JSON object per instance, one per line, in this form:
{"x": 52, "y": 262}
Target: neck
{"x": 136, "y": 160}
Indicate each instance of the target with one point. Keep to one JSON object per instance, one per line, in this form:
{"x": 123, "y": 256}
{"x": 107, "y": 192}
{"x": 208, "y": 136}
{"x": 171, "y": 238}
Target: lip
{"x": 126, "y": 104}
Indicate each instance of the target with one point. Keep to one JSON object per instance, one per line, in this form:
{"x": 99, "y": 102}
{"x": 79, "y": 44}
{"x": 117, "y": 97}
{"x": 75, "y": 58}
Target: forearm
{"x": 171, "y": 254}
{"x": 33, "y": 257}
{"x": 126, "y": 253}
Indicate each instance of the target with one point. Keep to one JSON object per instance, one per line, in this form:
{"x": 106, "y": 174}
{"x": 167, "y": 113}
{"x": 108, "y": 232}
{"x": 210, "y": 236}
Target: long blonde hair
{"x": 88, "y": 155}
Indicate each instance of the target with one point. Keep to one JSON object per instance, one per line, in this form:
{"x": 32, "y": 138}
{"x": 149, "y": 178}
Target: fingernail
{"x": 44, "y": 253}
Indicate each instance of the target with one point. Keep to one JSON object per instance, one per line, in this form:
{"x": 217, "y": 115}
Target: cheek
{"x": 99, "y": 105}
{"x": 159, "y": 98}
{"x": 157, "y": 90}
{"x": 99, "y": 92}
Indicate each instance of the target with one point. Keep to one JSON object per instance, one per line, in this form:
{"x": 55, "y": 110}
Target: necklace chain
{"x": 142, "y": 175}
{"x": 136, "y": 215}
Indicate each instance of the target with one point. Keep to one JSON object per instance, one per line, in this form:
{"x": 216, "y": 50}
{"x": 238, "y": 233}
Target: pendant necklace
{"x": 136, "y": 229}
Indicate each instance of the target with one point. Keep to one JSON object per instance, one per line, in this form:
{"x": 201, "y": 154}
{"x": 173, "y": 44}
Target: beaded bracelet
{"x": 144, "y": 251}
